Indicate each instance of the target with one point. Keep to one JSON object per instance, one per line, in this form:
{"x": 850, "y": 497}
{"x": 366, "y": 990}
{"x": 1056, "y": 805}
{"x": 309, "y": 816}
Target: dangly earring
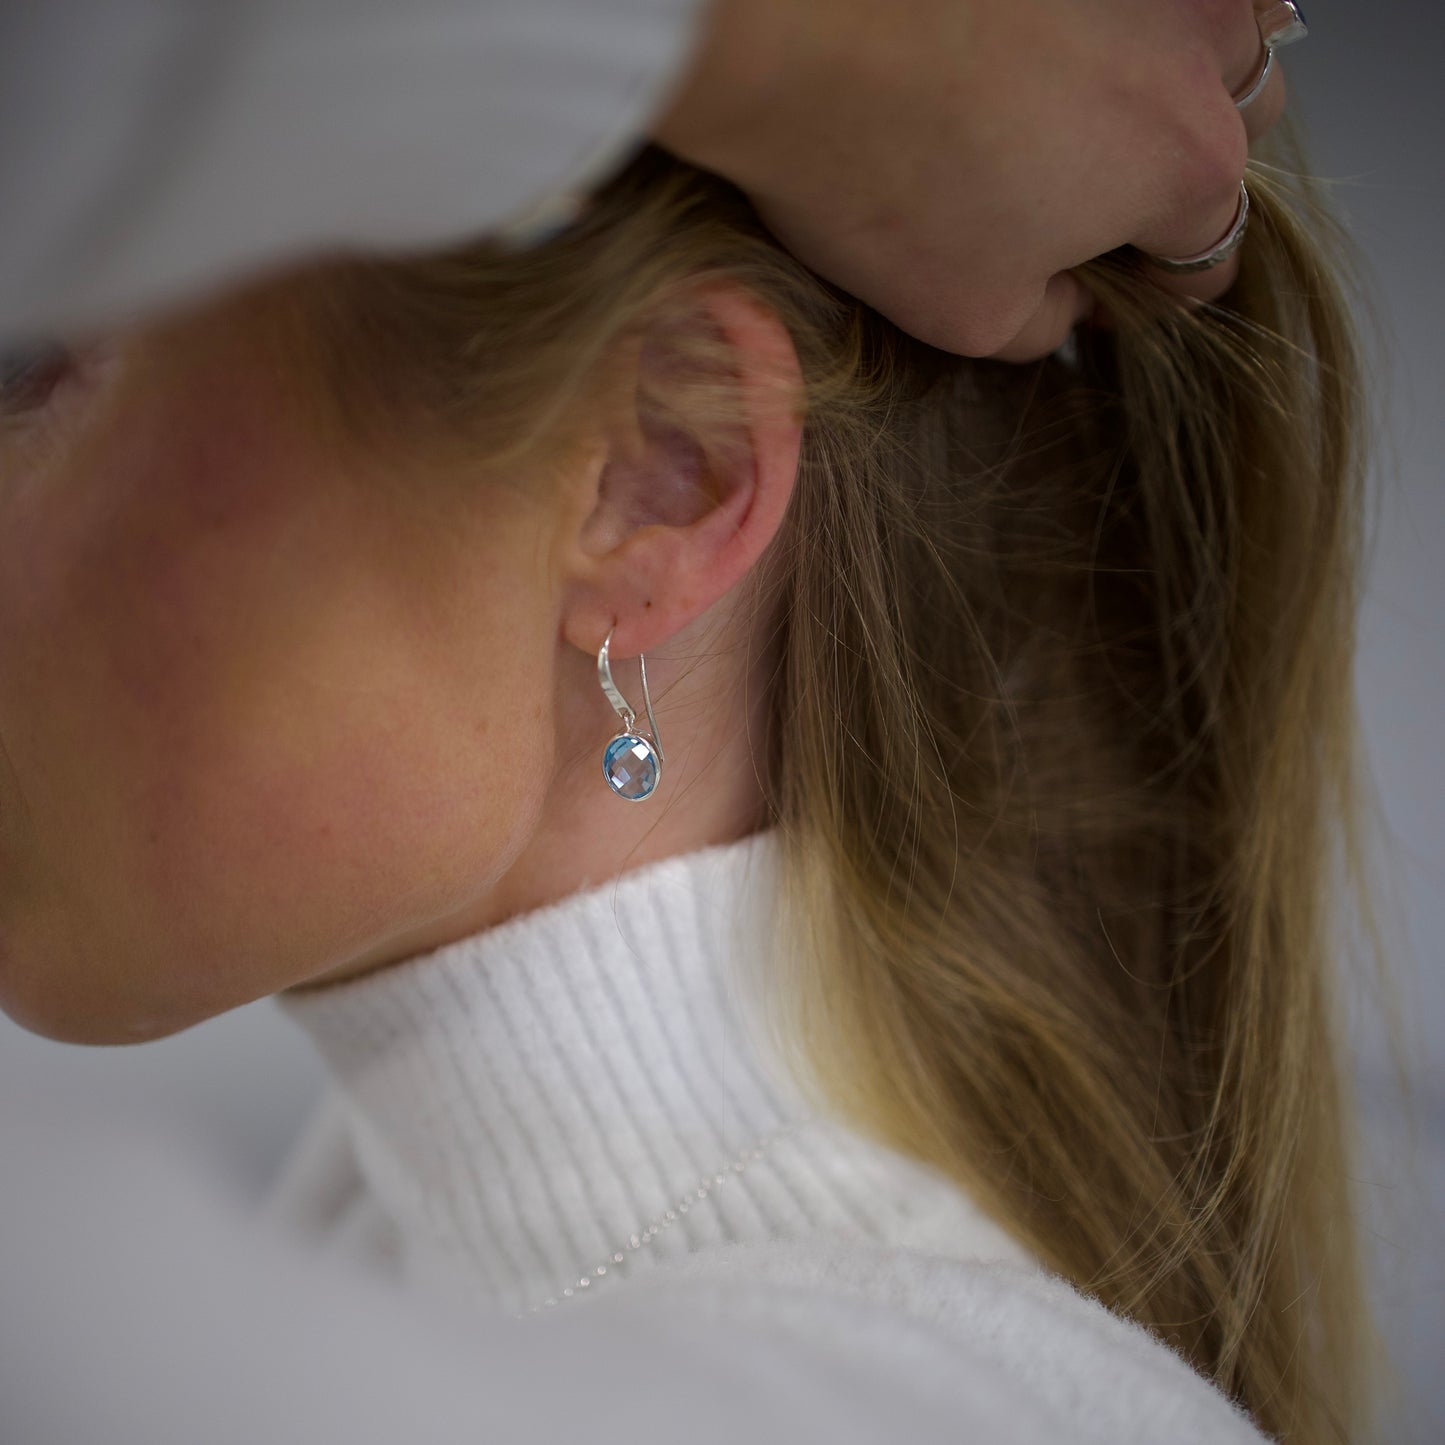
{"x": 631, "y": 763}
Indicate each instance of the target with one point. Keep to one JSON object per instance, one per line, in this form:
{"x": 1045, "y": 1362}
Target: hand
{"x": 949, "y": 161}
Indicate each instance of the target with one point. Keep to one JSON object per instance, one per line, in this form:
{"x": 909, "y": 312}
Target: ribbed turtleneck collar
{"x": 525, "y": 1100}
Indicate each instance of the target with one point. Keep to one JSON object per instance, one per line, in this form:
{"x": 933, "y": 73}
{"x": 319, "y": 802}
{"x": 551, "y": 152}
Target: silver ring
{"x": 1220, "y": 251}
{"x": 1259, "y": 82}
{"x": 1279, "y": 24}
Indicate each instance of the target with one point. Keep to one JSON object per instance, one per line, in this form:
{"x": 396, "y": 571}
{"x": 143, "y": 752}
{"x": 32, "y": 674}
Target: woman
{"x": 957, "y": 885}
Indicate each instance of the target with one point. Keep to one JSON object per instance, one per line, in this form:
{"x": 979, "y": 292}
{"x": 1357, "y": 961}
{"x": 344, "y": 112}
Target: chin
{"x": 99, "y": 1030}
{"x": 48, "y": 1001}
{"x": 65, "y": 1025}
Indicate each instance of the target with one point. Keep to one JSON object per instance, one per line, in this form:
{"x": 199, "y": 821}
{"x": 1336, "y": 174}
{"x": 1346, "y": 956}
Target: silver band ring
{"x": 1279, "y": 24}
{"x": 1220, "y": 251}
{"x": 1259, "y": 82}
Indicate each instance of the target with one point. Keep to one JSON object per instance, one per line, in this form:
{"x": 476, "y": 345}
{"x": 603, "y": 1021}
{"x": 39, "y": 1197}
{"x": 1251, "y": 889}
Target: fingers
{"x": 1245, "y": 66}
{"x": 1066, "y": 302}
{"x": 1265, "y": 110}
{"x": 1208, "y": 195}
{"x": 1210, "y": 162}
{"x": 1207, "y": 285}
{"x": 1253, "y": 74}
{"x": 1245, "y": 60}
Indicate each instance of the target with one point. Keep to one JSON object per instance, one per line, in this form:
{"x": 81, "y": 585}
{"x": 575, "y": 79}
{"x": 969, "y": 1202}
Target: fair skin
{"x": 949, "y": 162}
{"x": 265, "y": 725}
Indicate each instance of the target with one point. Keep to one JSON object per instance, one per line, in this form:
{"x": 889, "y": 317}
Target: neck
{"x": 711, "y": 712}
{"x": 530, "y": 1098}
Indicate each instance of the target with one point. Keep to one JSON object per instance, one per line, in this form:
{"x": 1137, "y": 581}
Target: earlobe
{"x": 698, "y": 474}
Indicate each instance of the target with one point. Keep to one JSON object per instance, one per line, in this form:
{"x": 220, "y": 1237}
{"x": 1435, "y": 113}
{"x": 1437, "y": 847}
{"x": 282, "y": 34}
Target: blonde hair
{"x": 1061, "y": 736}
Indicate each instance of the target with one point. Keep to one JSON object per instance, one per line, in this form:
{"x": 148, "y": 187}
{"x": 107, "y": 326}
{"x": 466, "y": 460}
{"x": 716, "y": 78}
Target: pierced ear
{"x": 701, "y": 457}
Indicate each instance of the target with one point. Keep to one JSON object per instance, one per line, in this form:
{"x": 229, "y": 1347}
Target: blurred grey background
{"x": 1366, "y": 86}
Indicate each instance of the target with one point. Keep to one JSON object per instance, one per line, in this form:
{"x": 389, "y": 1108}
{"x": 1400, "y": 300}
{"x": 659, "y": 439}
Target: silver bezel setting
{"x": 633, "y": 740}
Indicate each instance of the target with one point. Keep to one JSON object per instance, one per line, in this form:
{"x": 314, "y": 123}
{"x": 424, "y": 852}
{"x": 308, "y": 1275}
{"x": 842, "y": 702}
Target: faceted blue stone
{"x": 630, "y": 767}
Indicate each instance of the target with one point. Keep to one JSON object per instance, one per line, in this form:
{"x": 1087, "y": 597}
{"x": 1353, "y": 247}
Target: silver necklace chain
{"x": 705, "y": 1188}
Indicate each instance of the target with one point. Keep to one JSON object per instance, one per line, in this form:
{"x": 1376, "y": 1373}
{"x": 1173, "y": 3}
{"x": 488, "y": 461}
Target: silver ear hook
{"x": 630, "y": 763}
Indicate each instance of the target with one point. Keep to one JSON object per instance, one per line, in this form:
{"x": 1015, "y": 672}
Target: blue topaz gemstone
{"x": 630, "y": 767}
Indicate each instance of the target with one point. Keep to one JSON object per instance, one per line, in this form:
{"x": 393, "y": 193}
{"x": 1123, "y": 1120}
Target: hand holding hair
{"x": 949, "y": 161}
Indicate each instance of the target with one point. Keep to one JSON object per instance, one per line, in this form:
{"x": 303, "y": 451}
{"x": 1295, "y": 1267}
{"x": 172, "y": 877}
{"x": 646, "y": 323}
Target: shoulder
{"x": 1007, "y": 1347}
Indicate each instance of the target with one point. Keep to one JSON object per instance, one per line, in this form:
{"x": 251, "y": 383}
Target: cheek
{"x": 248, "y": 741}
{"x": 356, "y": 778}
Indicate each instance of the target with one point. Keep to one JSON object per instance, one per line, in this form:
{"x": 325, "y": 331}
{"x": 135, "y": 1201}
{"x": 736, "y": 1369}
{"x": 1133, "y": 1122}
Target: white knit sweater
{"x": 516, "y": 1109}
{"x": 512, "y": 1110}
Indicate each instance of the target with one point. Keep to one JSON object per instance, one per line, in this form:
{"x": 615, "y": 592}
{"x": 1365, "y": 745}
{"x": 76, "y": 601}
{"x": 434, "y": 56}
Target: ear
{"x": 701, "y": 438}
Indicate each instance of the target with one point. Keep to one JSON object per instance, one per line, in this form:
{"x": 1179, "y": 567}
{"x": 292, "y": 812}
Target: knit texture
{"x": 511, "y": 1110}
{"x": 518, "y": 1106}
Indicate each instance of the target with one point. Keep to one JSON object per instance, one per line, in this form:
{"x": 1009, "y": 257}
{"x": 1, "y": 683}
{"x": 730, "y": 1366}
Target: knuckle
{"x": 1218, "y": 19}
{"x": 1213, "y": 156}
{"x": 994, "y": 323}
{"x": 1231, "y": 33}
